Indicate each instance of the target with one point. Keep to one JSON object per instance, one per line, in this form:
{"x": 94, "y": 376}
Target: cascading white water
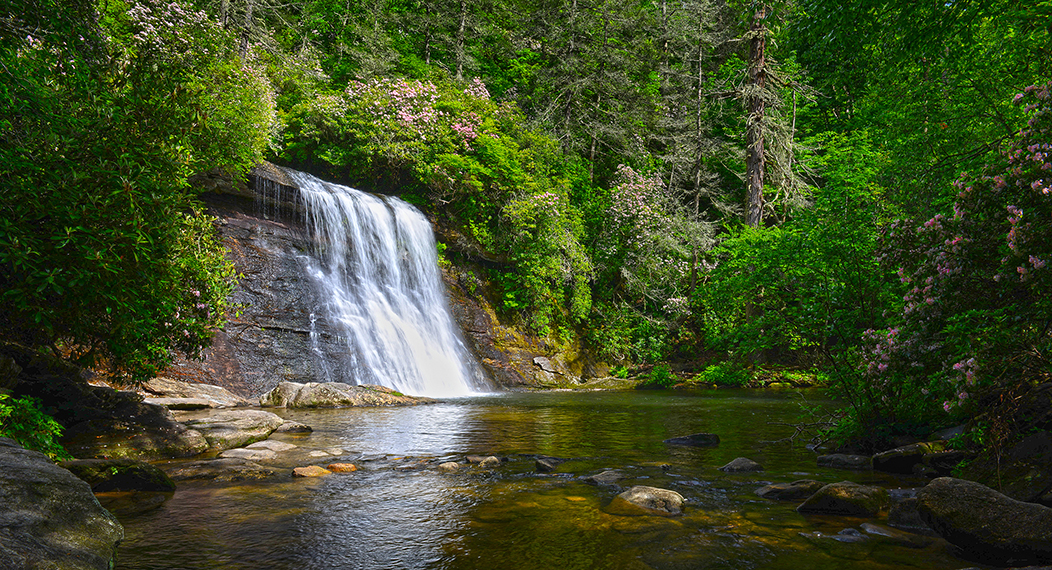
{"x": 376, "y": 263}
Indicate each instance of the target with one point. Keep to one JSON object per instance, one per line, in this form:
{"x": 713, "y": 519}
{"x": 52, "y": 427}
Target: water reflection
{"x": 399, "y": 511}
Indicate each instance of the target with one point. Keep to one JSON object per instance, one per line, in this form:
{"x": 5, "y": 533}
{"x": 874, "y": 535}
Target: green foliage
{"x": 23, "y": 420}
{"x": 102, "y": 254}
{"x": 812, "y": 284}
{"x": 660, "y": 376}
{"x": 724, "y": 374}
{"x": 972, "y": 336}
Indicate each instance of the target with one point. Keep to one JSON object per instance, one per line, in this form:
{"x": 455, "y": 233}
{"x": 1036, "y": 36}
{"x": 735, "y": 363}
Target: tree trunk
{"x": 460, "y": 39}
{"x": 754, "y": 140}
{"x": 247, "y": 28}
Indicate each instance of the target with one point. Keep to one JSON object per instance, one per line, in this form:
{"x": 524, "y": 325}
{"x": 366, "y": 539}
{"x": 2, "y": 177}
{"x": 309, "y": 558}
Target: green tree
{"x": 106, "y": 113}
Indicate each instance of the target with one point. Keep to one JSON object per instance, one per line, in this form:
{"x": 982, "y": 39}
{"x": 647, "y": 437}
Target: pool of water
{"x": 399, "y": 511}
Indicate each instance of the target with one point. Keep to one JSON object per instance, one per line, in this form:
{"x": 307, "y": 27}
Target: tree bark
{"x": 754, "y": 139}
{"x": 460, "y": 39}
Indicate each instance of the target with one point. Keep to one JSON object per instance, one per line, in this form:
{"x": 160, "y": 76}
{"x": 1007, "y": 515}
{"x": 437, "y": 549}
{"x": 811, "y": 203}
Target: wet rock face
{"x": 269, "y": 341}
{"x": 50, "y": 519}
{"x": 281, "y": 334}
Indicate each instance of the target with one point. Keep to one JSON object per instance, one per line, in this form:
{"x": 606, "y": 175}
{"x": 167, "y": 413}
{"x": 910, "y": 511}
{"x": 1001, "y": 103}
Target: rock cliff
{"x": 279, "y": 333}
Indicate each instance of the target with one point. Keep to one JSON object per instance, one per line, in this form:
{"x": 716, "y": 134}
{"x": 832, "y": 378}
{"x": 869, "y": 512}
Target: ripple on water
{"x": 510, "y": 517}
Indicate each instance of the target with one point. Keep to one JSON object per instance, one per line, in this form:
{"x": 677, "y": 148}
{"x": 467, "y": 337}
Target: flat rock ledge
{"x": 643, "y": 500}
{"x": 986, "y": 524}
{"x": 335, "y": 395}
{"x": 178, "y": 395}
{"x": 49, "y": 518}
{"x": 227, "y": 429}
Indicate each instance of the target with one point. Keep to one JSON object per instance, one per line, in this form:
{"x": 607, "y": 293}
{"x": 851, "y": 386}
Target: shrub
{"x": 22, "y": 420}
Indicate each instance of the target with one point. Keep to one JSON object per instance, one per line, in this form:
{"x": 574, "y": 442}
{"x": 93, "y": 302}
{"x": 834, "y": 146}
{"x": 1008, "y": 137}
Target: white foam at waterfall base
{"x": 375, "y": 261}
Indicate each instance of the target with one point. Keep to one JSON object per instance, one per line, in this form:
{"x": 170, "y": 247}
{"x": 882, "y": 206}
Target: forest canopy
{"x": 860, "y": 187}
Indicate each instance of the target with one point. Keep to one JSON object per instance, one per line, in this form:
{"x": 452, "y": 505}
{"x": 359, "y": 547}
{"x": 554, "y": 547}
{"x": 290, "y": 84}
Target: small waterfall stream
{"x": 375, "y": 262}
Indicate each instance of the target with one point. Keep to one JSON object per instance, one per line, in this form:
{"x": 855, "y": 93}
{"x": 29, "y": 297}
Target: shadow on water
{"x": 399, "y": 511}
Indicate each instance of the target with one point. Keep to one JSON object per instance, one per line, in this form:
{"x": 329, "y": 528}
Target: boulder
{"x": 695, "y": 440}
{"x": 49, "y": 518}
{"x": 847, "y": 499}
{"x": 228, "y": 429}
{"x": 342, "y": 467}
{"x": 902, "y": 459}
{"x": 334, "y": 395}
{"x": 845, "y": 461}
{"x": 904, "y": 515}
{"x": 986, "y": 524}
{"x": 642, "y": 500}
{"x": 795, "y": 491}
{"x": 105, "y": 475}
{"x": 225, "y": 470}
{"x": 311, "y": 471}
{"x": 491, "y": 461}
{"x": 741, "y": 465}
{"x": 448, "y": 466}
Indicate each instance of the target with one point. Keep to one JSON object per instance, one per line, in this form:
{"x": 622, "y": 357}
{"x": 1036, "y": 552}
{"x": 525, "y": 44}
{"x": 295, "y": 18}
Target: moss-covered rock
{"x": 847, "y": 499}
{"x": 49, "y": 518}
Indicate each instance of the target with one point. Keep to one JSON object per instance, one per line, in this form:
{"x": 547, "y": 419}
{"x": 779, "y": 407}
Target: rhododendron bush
{"x": 975, "y": 329}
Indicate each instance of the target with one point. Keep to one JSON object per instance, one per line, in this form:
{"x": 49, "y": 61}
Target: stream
{"x": 399, "y": 511}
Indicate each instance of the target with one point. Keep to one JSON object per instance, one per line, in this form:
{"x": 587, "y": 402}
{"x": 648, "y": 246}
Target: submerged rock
{"x": 985, "y": 523}
{"x": 294, "y": 428}
{"x": 449, "y": 466}
{"x": 609, "y": 477}
{"x": 224, "y": 470}
{"x": 546, "y": 464}
{"x": 741, "y": 465}
{"x": 272, "y": 445}
{"x": 847, "y": 499}
{"x": 643, "y": 500}
{"x": 896, "y": 537}
{"x": 248, "y": 454}
{"x": 795, "y": 491}
{"x": 342, "y": 467}
{"x": 49, "y": 518}
{"x": 845, "y": 461}
{"x": 695, "y": 440}
{"x": 105, "y": 475}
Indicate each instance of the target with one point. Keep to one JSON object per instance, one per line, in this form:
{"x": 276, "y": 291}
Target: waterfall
{"x": 375, "y": 263}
